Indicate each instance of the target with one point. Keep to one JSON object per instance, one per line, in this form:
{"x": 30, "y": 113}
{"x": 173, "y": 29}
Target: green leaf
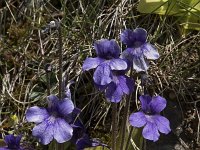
{"x": 187, "y": 11}
{"x": 191, "y": 18}
{"x": 161, "y": 7}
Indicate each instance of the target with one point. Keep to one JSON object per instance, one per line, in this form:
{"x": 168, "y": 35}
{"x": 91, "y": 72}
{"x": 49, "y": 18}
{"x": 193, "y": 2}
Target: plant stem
{"x": 125, "y": 121}
{"x": 114, "y": 125}
{"x": 48, "y": 83}
{"x": 60, "y": 146}
{"x": 48, "y": 70}
{"x": 60, "y": 60}
{"x": 125, "y": 117}
{"x": 129, "y": 137}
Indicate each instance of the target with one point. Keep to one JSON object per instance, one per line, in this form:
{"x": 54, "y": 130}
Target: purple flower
{"x": 119, "y": 86}
{"x": 86, "y": 142}
{"x": 81, "y": 139}
{"x": 106, "y": 61}
{"x": 150, "y": 117}
{"x": 51, "y": 122}
{"x": 13, "y": 142}
{"x": 138, "y": 48}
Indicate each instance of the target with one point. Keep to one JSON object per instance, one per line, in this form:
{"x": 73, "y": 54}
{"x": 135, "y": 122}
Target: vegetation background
{"x": 27, "y": 45}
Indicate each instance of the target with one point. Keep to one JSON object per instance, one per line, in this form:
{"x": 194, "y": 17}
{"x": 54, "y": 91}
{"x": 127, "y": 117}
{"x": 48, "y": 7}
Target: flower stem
{"x": 48, "y": 70}
{"x": 129, "y": 137}
{"x": 126, "y": 109}
{"x": 60, "y": 146}
{"x": 60, "y": 59}
{"x": 114, "y": 125}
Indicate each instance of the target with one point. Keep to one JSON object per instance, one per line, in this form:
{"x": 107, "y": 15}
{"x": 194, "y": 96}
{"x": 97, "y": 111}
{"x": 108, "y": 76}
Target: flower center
{"x": 137, "y": 44}
{"x": 108, "y": 57}
{"x": 54, "y": 114}
{"x": 149, "y": 118}
{"x": 51, "y": 119}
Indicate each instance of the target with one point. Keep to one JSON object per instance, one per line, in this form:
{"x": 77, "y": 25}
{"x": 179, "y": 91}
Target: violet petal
{"x": 162, "y": 124}
{"x": 102, "y": 75}
{"x": 137, "y": 119}
{"x": 115, "y": 49}
{"x": 114, "y": 93}
{"x": 91, "y": 63}
{"x": 145, "y": 100}
{"x": 157, "y": 104}
{"x": 127, "y": 54}
{"x": 65, "y": 106}
{"x": 150, "y": 51}
{"x": 107, "y": 48}
{"x": 13, "y": 142}
{"x": 150, "y": 131}
{"x": 140, "y": 35}
{"x": 127, "y": 37}
{"x": 140, "y": 64}
{"x": 53, "y": 98}
{"x": 53, "y": 102}
{"x": 62, "y": 131}
{"x": 36, "y": 114}
{"x": 118, "y": 64}
{"x": 126, "y": 84}
{"x": 44, "y": 131}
